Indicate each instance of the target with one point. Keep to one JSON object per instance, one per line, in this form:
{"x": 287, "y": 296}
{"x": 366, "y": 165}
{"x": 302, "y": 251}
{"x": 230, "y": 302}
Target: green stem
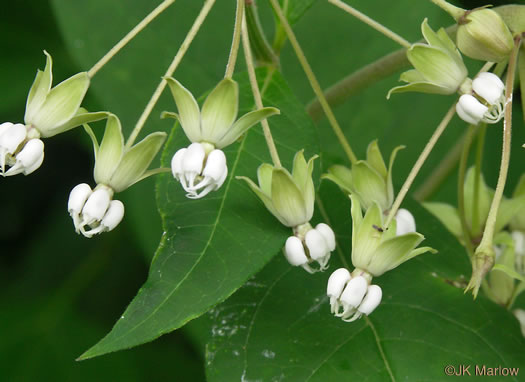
{"x": 467, "y": 234}
{"x": 488, "y": 233}
{"x": 261, "y": 48}
{"x": 314, "y": 83}
{"x": 442, "y": 170}
{"x": 371, "y": 22}
{"x": 419, "y": 163}
{"x": 230, "y": 67}
{"x": 176, "y": 60}
{"x": 359, "y": 80}
{"x": 452, "y": 10}
{"x": 280, "y": 33}
{"x": 130, "y": 36}
{"x": 257, "y": 95}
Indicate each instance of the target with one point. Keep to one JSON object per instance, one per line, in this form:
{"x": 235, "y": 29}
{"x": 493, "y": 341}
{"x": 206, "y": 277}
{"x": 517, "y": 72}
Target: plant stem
{"x": 442, "y": 170}
{"x": 488, "y": 233}
{"x": 467, "y": 234}
{"x": 372, "y": 23}
{"x": 239, "y": 15}
{"x": 359, "y": 80}
{"x": 452, "y": 10}
{"x": 176, "y": 60}
{"x": 131, "y": 34}
{"x": 314, "y": 83}
{"x": 477, "y": 178}
{"x": 262, "y": 49}
{"x": 419, "y": 163}
{"x": 257, "y": 95}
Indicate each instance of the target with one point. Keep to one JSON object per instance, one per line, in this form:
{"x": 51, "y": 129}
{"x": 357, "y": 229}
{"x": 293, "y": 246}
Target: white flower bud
{"x": 405, "y": 222}
{"x": 199, "y": 173}
{"x": 96, "y": 206}
{"x": 294, "y": 251}
{"x": 316, "y": 244}
{"x": 29, "y": 159}
{"x": 470, "y": 109}
{"x": 336, "y": 284}
{"x": 328, "y": 234}
{"x": 488, "y": 86}
{"x": 371, "y": 300}
{"x": 113, "y": 216}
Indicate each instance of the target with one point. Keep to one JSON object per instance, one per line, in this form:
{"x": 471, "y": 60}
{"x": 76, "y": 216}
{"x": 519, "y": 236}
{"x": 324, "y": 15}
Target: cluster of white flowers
{"x": 20, "y": 149}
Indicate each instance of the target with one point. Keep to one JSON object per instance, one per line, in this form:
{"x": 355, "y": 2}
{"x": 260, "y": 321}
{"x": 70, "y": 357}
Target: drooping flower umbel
{"x": 202, "y": 167}
{"x": 375, "y": 250}
{"x": 49, "y": 111}
{"x": 486, "y": 101}
{"x": 290, "y": 198}
{"x": 117, "y": 167}
{"x": 438, "y": 65}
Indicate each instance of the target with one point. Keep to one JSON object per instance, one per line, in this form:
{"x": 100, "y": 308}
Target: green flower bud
{"x": 483, "y": 35}
{"x": 52, "y": 111}
{"x": 289, "y": 197}
{"x": 119, "y": 167}
{"x": 375, "y": 250}
{"x": 216, "y": 123}
{"x": 438, "y": 66}
{"x": 369, "y": 180}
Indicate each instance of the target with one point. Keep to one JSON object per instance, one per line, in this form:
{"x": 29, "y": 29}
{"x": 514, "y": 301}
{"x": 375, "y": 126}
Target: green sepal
{"x": 368, "y": 237}
{"x": 82, "y": 117}
{"x": 287, "y": 199}
{"x": 369, "y": 185}
{"x": 342, "y": 176}
{"x": 110, "y": 151}
{"x": 243, "y": 124}
{"x": 39, "y": 89}
{"x": 169, "y": 114}
{"x": 389, "y": 184}
{"x": 482, "y": 207}
{"x": 447, "y": 215}
{"x": 357, "y": 218}
{"x": 375, "y": 159}
{"x": 302, "y": 175}
{"x": 135, "y": 161}
{"x": 220, "y": 110}
{"x": 61, "y": 104}
{"x": 420, "y": 87}
{"x": 189, "y": 114}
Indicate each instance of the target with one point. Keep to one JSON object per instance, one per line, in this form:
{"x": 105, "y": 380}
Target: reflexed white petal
{"x": 405, "y": 222}
{"x": 371, "y": 300}
{"x": 354, "y": 291}
{"x": 328, "y": 234}
{"x": 114, "y": 215}
{"x": 337, "y": 282}
{"x": 176, "y": 163}
{"x": 77, "y": 198}
{"x": 29, "y": 159}
{"x": 470, "y": 109}
{"x": 4, "y": 127}
{"x": 215, "y": 165}
{"x": 294, "y": 251}
{"x": 316, "y": 244}
{"x": 192, "y": 163}
{"x": 488, "y": 86}
{"x": 96, "y": 206}
{"x": 12, "y": 137}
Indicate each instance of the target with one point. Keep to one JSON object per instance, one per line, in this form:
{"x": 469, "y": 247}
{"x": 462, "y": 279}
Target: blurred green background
{"x": 60, "y": 292}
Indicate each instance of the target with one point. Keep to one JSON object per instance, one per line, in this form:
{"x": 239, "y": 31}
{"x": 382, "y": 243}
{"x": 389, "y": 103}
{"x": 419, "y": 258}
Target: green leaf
{"x": 272, "y": 329}
{"x": 207, "y": 250}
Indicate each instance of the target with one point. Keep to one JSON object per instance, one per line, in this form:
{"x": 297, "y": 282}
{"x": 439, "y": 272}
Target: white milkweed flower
{"x": 202, "y": 167}
{"x": 49, "y": 111}
{"x": 486, "y": 103}
{"x": 315, "y": 245}
{"x": 94, "y": 211}
{"x": 352, "y": 296}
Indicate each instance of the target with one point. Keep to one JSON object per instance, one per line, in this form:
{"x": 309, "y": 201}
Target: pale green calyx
{"x": 369, "y": 180}
{"x": 438, "y": 65}
{"x": 483, "y": 35}
{"x": 377, "y": 250}
{"x": 119, "y": 167}
{"x": 217, "y": 122}
{"x": 289, "y": 197}
{"x": 52, "y": 111}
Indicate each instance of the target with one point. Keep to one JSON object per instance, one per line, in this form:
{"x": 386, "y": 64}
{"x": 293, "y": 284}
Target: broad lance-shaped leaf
{"x": 211, "y": 246}
{"x": 271, "y": 329}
